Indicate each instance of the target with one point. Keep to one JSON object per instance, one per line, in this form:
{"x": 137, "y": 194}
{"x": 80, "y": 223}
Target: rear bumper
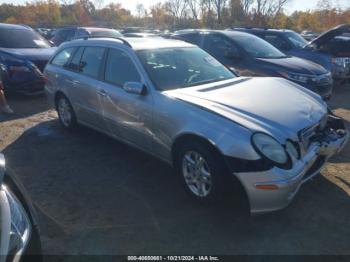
{"x": 281, "y": 185}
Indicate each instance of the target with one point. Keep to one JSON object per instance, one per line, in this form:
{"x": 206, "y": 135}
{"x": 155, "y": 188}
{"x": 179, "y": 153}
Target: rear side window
{"x": 63, "y": 57}
{"x": 74, "y": 64}
{"x": 120, "y": 68}
{"x": 91, "y": 61}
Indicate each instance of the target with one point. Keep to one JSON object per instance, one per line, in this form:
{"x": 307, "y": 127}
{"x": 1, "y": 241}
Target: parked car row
{"x": 247, "y": 51}
{"x": 249, "y": 55}
{"x": 328, "y": 49}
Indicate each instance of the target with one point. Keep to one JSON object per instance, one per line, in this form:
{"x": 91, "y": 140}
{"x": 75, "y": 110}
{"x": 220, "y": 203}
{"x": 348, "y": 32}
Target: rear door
{"x": 84, "y": 81}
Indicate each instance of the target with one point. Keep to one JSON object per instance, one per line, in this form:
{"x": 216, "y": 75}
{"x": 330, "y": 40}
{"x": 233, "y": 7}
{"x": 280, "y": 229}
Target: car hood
{"x": 330, "y": 34}
{"x": 295, "y": 65}
{"x": 32, "y": 54}
{"x": 272, "y": 105}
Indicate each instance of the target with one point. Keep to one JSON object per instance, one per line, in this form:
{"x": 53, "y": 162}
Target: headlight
{"x": 20, "y": 225}
{"x": 292, "y": 149}
{"x": 270, "y": 148}
{"x": 297, "y": 77}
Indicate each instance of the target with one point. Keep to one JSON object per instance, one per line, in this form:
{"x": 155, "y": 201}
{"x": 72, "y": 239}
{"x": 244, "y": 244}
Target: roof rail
{"x": 251, "y": 27}
{"x": 86, "y": 37}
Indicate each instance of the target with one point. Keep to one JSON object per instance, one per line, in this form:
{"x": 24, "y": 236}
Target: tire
{"x": 66, "y": 114}
{"x": 202, "y": 171}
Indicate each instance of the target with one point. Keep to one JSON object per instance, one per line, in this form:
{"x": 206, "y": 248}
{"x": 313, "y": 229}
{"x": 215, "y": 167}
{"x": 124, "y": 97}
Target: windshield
{"x": 21, "y": 38}
{"x": 296, "y": 39}
{"x": 258, "y": 47}
{"x": 173, "y": 68}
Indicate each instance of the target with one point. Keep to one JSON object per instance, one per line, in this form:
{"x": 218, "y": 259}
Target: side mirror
{"x": 2, "y": 167}
{"x": 136, "y": 88}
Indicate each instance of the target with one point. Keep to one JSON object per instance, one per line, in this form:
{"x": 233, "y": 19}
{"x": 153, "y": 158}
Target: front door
{"x": 127, "y": 116}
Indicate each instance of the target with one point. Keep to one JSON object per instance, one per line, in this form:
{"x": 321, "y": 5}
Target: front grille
{"x": 315, "y": 166}
{"x": 322, "y": 80}
{"x": 306, "y": 134}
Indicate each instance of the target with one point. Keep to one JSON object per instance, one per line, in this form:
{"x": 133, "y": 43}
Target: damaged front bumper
{"x": 275, "y": 188}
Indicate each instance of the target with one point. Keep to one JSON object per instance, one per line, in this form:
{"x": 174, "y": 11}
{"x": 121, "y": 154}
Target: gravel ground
{"x": 99, "y": 196}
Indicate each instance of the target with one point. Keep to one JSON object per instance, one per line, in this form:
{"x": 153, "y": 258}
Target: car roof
{"x": 12, "y": 26}
{"x": 248, "y": 29}
{"x": 228, "y": 33}
{"x": 134, "y": 43}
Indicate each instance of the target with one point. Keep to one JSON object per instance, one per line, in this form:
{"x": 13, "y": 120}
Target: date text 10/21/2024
{"x": 173, "y": 258}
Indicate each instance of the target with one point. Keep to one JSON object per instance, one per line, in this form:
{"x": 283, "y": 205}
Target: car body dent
{"x": 225, "y": 113}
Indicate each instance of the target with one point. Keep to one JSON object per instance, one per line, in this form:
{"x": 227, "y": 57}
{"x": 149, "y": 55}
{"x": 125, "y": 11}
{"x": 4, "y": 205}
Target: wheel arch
{"x": 185, "y": 137}
{"x": 57, "y": 95}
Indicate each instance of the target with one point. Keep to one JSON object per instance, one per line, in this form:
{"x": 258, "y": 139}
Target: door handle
{"x": 102, "y": 92}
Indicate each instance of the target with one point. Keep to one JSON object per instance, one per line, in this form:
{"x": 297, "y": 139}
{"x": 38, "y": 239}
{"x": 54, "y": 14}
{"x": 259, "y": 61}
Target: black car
{"x": 23, "y": 56}
{"x": 330, "y": 49}
{"x": 19, "y": 233}
{"x": 249, "y": 55}
{"x": 68, "y": 33}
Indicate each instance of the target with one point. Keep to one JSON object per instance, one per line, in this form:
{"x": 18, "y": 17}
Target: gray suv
{"x": 174, "y": 101}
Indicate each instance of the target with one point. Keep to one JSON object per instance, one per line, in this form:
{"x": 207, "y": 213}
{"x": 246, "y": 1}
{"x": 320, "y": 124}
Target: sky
{"x": 290, "y": 8}
{"x": 131, "y": 4}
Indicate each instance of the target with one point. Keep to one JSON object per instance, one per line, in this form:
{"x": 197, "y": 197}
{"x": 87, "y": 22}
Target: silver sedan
{"x": 176, "y": 102}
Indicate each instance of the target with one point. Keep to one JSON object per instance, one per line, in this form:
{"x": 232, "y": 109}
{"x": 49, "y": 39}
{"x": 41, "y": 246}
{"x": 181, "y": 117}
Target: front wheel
{"x": 203, "y": 172}
{"x": 66, "y": 113}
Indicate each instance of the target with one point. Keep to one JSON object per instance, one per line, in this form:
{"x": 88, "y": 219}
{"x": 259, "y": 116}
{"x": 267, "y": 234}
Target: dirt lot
{"x": 98, "y": 196}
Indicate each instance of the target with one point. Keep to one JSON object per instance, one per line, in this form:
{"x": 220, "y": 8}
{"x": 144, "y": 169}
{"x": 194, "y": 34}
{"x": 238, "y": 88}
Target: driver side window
{"x": 277, "y": 42}
{"x": 220, "y": 47}
{"x": 120, "y": 68}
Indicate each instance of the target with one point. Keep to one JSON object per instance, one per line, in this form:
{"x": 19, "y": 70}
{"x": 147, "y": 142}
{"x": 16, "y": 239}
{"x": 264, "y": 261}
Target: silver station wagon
{"x": 173, "y": 100}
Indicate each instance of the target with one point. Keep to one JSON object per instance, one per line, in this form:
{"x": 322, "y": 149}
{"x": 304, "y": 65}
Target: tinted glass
{"x": 296, "y": 39}
{"x": 172, "y": 68}
{"x": 120, "y": 68}
{"x": 62, "y": 57}
{"x": 219, "y": 46}
{"x": 75, "y": 62}
{"x": 22, "y": 38}
{"x": 277, "y": 41}
{"x": 91, "y": 61}
{"x": 192, "y": 38}
{"x": 258, "y": 47}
